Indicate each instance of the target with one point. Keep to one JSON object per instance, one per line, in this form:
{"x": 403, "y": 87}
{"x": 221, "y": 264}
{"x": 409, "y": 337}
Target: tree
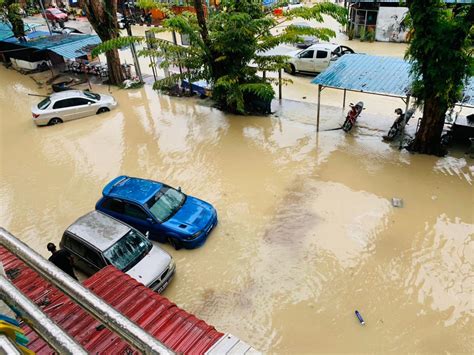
{"x": 10, "y": 11}
{"x": 226, "y": 46}
{"x": 441, "y": 56}
{"x": 102, "y": 15}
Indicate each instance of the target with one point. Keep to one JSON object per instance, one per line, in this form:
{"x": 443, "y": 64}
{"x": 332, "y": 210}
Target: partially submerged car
{"x": 96, "y": 240}
{"x": 70, "y": 105}
{"x": 167, "y": 214}
{"x": 315, "y": 58}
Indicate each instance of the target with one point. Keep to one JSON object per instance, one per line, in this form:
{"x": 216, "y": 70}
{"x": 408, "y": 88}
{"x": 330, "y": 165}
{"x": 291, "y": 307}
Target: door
{"x": 85, "y": 258}
{"x": 306, "y": 61}
{"x": 321, "y": 62}
{"x": 85, "y": 107}
{"x": 138, "y": 218}
{"x": 64, "y": 109}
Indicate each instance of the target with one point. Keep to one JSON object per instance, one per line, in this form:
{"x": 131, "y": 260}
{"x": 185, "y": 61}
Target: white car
{"x": 315, "y": 58}
{"x": 70, "y": 105}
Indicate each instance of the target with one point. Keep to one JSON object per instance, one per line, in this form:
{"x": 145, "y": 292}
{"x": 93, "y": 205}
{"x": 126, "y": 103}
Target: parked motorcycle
{"x": 399, "y": 123}
{"x": 352, "y": 115}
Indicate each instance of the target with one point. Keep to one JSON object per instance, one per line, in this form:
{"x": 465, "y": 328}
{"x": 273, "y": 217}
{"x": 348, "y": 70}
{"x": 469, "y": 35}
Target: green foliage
{"x": 10, "y": 12}
{"x": 362, "y": 34}
{"x": 228, "y": 55}
{"x": 370, "y": 35}
{"x": 440, "y": 50}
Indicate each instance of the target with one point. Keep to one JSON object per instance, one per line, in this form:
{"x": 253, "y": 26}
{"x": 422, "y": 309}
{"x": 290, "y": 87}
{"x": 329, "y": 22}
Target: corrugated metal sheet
{"x": 77, "y": 48}
{"x": 173, "y": 326}
{"x": 69, "y": 46}
{"x": 376, "y": 75}
{"x": 368, "y": 73}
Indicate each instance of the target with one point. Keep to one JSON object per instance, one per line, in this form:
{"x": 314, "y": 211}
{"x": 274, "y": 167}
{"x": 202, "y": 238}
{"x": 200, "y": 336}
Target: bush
{"x": 362, "y": 34}
{"x": 370, "y": 35}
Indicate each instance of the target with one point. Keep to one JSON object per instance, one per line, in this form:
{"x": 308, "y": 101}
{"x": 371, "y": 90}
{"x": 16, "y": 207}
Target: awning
{"x": 67, "y": 45}
{"x": 388, "y": 76}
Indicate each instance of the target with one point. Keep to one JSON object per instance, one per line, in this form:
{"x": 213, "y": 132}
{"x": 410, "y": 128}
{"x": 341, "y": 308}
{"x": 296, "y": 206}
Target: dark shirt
{"x": 62, "y": 259}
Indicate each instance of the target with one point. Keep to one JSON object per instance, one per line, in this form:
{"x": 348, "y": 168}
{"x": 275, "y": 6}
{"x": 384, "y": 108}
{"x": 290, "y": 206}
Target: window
{"x": 93, "y": 257}
{"x": 165, "y": 203}
{"x": 307, "y": 54}
{"x": 113, "y": 205}
{"x": 134, "y": 211}
{"x": 91, "y": 95}
{"x": 64, "y": 103}
{"x": 79, "y": 101}
{"x": 321, "y": 54}
{"x": 44, "y": 104}
{"x": 128, "y": 251}
{"x": 74, "y": 245}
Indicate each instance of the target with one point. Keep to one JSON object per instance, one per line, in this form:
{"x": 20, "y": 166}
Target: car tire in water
{"x": 102, "y": 110}
{"x": 174, "y": 243}
{"x": 54, "y": 121}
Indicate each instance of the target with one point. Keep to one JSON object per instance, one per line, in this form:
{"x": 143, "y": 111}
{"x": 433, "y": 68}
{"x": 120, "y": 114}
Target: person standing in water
{"x": 62, "y": 259}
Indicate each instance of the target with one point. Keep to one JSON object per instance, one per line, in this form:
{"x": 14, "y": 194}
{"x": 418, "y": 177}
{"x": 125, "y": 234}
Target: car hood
{"x": 151, "y": 266}
{"x": 106, "y": 99}
{"x": 192, "y": 217}
{"x": 293, "y": 53}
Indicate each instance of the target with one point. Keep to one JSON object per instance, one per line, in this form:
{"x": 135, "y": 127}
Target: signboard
{"x": 391, "y": 24}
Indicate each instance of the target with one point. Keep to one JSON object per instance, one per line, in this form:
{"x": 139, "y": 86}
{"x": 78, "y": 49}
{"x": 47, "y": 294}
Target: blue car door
{"x": 138, "y": 218}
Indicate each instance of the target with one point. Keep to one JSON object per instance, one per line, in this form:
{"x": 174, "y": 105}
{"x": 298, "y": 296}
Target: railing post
{"x": 98, "y": 308}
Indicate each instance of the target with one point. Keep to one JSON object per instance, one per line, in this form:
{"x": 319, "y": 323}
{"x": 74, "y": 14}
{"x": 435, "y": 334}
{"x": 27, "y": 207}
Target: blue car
{"x": 166, "y": 214}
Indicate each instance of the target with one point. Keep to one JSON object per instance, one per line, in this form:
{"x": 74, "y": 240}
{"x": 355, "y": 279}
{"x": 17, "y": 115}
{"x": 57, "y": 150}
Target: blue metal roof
{"x": 132, "y": 189}
{"x": 368, "y": 73}
{"x": 376, "y": 75}
{"x": 6, "y": 29}
{"x": 69, "y": 46}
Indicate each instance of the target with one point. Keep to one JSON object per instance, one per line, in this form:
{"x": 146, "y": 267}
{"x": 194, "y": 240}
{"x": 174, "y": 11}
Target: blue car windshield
{"x": 165, "y": 203}
{"x": 128, "y": 251}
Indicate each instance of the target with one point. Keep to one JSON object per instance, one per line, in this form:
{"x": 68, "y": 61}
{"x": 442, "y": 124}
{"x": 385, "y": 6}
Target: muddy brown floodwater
{"x": 306, "y": 233}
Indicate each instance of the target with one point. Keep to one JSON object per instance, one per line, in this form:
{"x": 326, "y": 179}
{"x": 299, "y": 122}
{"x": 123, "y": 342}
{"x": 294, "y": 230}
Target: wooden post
{"x": 264, "y": 75}
{"x": 319, "y": 105}
{"x": 404, "y": 122}
{"x": 344, "y": 100}
{"x": 279, "y": 84}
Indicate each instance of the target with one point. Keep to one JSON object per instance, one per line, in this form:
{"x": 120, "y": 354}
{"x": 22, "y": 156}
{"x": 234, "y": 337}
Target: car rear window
{"x": 44, "y": 103}
{"x": 92, "y": 95}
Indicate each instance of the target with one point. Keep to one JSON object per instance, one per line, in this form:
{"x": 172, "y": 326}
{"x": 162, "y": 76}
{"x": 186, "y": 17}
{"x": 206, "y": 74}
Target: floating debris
{"x": 359, "y": 317}
{"x": 397, "y": 202}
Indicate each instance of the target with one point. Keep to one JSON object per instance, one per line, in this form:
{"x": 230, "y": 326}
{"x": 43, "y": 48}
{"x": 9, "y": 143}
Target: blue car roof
{"x": 131, "y": 189}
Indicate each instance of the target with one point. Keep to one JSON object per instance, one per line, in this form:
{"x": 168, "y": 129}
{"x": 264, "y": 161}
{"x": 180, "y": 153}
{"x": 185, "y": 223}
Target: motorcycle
{"x": 352, "y": 115}
{"x": 399, "y": 123}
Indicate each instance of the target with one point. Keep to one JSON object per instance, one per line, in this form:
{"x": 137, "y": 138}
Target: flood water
{"x": 307, "y": 233}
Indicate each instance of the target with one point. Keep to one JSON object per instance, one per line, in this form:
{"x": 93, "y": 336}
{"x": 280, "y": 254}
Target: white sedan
{"x": 70, "y": 105}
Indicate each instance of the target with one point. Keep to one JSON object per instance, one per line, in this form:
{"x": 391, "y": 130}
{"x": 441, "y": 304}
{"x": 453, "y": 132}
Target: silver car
{"x": 96, "y": 240}
{"x": 70, "y": 105}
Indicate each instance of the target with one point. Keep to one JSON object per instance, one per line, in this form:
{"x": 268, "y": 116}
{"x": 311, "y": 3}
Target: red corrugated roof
{"x": 173, "y": 326}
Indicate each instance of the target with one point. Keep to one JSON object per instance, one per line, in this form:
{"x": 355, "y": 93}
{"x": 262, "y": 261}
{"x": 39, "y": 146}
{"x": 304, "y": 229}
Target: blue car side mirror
{"x": 150, "y": 220}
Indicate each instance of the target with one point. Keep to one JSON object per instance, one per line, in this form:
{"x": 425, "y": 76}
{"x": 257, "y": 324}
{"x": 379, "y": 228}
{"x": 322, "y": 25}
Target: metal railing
{"x": 111, "y": 318}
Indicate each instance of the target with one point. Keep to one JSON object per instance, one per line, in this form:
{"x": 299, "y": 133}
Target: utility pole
{"x": 132, "y": 46}
{"x": 45, "y": 18}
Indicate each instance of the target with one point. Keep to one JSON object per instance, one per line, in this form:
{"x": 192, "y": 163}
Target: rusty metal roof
{"x": 179, "y": 330}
